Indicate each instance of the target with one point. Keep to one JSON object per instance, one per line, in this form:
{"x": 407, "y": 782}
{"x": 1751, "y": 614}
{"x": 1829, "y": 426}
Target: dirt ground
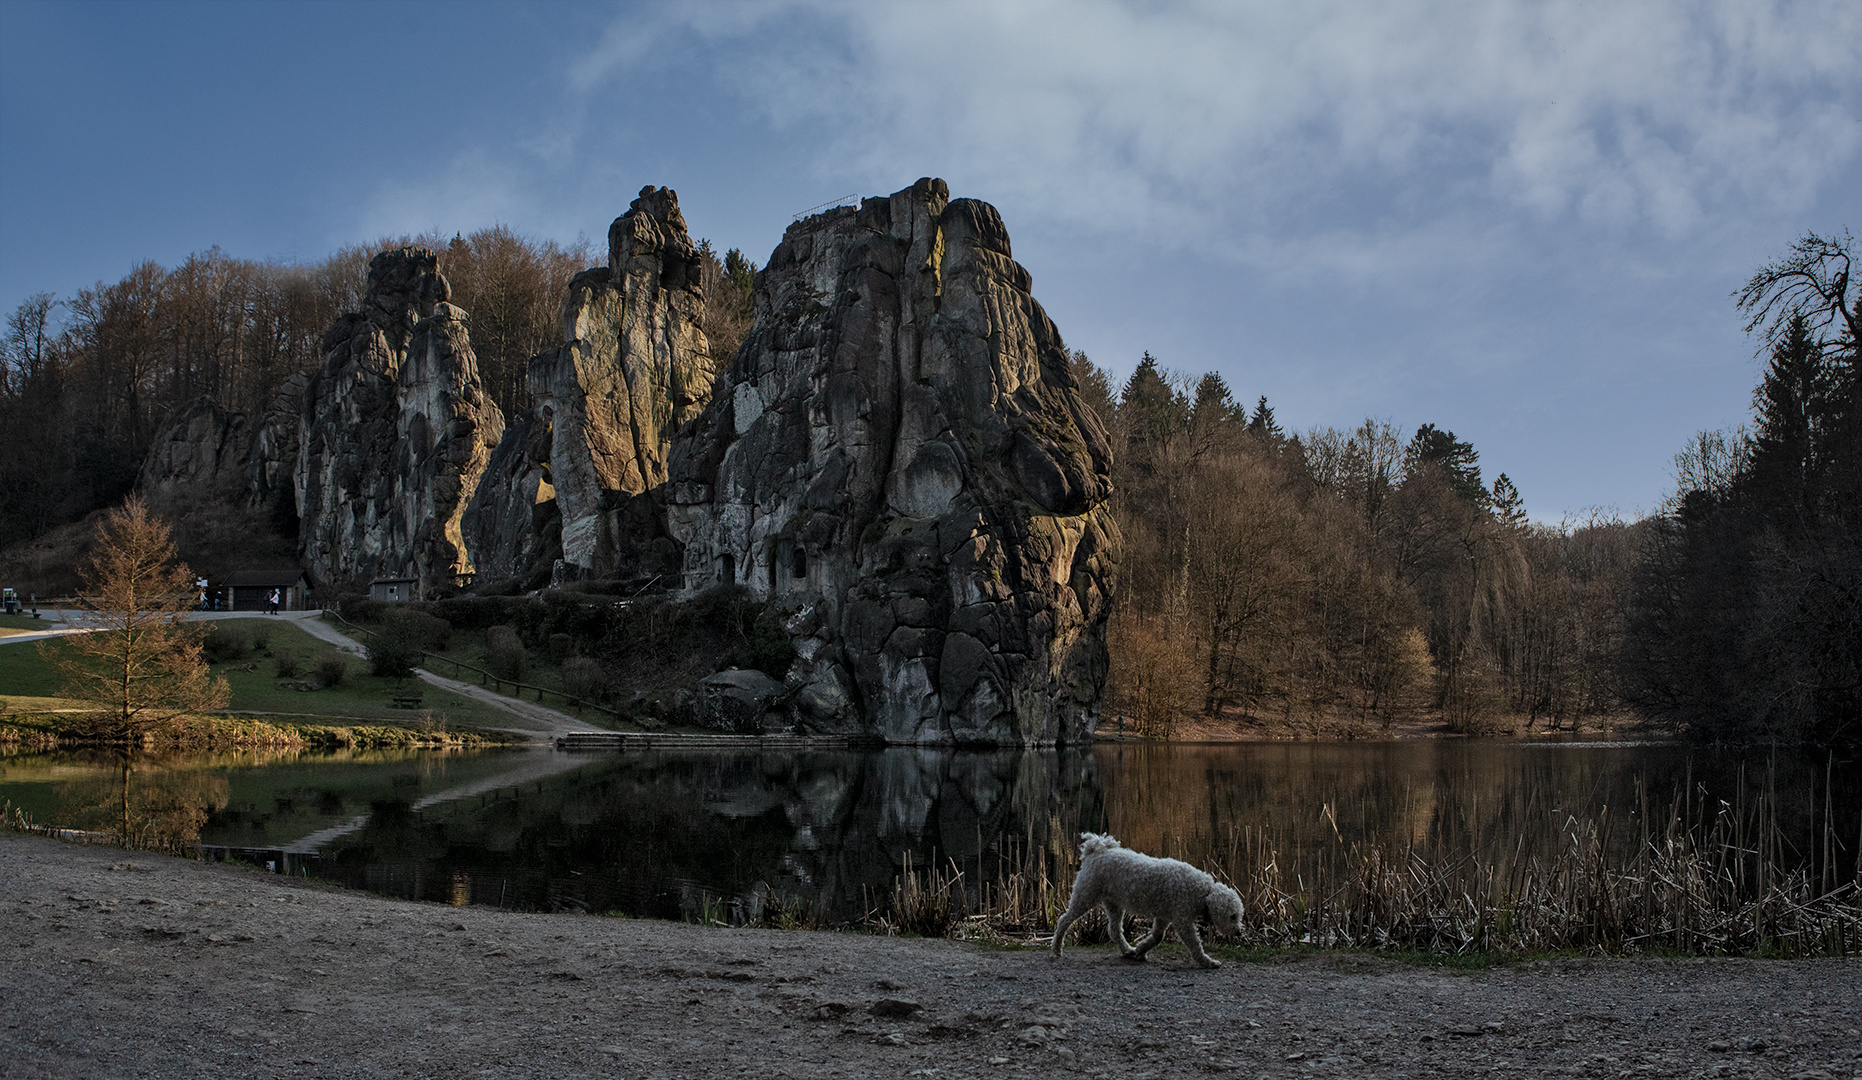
{"x": 117, "y": 965}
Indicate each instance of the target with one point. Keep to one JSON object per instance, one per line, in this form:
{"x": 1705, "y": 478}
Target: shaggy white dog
{"x": 1169, "y": 891}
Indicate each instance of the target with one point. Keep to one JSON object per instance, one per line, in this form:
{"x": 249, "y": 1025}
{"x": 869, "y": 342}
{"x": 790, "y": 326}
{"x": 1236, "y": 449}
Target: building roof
{"x": 393, "y": 581}
{"x": 280, "y": 579}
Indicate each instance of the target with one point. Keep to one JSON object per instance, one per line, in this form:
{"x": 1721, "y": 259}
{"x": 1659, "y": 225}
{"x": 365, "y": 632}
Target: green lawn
{"x": 27, "y": 680}
{"x": 26, "y": 677}
{"x": 469, "y": 647}
{"x": 24, "y": 624}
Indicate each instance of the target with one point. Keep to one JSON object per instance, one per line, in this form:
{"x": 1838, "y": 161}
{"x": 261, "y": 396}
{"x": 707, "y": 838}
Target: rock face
{"x": 900, "y": 458}
{"x": 395, "y": 433}
{"x": 512, "y": 526}
{"x": 633, "y": 367}
{"x": 272, "y": 468}
{"x": 200, "y": 455}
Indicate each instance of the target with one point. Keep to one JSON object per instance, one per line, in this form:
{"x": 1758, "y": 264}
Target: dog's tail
{"x": 1093, "y": 843}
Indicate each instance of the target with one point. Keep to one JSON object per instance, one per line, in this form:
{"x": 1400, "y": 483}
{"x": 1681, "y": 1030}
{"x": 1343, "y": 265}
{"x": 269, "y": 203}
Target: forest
{"x": 1326, "y": 582}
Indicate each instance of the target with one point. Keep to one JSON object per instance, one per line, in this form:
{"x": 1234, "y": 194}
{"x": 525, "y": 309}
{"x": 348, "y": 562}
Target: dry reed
{"x": 1697, "y": 881}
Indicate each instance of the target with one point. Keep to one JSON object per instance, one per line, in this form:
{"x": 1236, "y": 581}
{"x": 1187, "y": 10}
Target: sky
{"x": 1522, "y": 222}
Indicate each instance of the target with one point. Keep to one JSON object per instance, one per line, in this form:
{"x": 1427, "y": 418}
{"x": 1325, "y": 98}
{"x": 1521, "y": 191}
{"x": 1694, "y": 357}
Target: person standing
{"x": 274, "y": 602}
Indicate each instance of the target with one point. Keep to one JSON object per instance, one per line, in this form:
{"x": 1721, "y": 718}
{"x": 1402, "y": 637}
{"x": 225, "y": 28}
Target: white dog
{"x": 1171, "y": 892}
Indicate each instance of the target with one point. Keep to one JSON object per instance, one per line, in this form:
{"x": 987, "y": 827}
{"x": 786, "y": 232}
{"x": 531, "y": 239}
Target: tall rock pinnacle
{"x": 900, "y": 458}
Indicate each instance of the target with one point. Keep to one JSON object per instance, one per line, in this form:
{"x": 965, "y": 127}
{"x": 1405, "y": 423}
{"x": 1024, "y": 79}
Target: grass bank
{"x": 288, "y": 689}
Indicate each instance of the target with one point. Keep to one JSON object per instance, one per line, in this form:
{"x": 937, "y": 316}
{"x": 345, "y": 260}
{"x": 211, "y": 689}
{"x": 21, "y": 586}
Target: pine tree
{"x": 1433, "y": 446}
{"x": 1151, "y": 413}
{"x": 1263, "y": 424}
{"x": 1508, "y": 508}
{"x": 1793, "y": 407}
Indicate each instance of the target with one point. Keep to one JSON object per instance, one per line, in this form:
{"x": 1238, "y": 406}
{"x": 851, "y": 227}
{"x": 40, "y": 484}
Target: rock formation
{"x": 199, "y": 455}
{"x": 900, "y": 458}
{"x": 897, "y": 459}
{"x": 633, "y": 367}
{"x": 396, "y": 431}
{"x": 272, "y": 468}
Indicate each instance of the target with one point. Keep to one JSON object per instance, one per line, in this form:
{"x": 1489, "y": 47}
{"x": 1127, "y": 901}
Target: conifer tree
{"x": 139, "y": 665}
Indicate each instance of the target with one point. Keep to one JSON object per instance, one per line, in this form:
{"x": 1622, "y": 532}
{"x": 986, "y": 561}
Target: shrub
{"x": 562, "y": 647}
{"x": 286, "y": 664}
{"x": 261, "y": 637}
{"x": 392, "y": 654}
{"x": 426, "y": 631}
{"x": 504, "y": 653}
{"x": 584, "y": 678}
{"x": 332, "y": 668}
{"x": 358, "y": 608}
{"x": 224, "y": 643}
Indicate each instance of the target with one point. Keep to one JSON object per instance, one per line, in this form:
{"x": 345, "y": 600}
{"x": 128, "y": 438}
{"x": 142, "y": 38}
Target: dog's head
{"x": 1223, "y": 906}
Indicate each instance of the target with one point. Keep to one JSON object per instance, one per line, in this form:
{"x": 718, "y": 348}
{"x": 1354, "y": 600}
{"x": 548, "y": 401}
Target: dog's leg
{"x": 1061, "y": 927}
{"x": 1115, "y": 922}
{"x": 1193, "y": 937}
{"x": 1081, "y": 902}
{"x": 1150, "y": 940}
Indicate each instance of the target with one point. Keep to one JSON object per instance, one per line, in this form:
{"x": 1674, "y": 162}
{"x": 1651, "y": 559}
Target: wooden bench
{"x": 407, "y": 699}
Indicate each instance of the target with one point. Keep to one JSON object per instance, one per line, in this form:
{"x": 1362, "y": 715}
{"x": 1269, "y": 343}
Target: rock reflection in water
{"x": 690, "y": 835}
{"x": 714, "y": 835}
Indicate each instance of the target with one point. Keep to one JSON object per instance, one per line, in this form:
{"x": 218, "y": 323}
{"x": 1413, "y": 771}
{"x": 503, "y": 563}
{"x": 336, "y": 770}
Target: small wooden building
{"x": 393, "y": 589}
{"x": 251, "y": 590}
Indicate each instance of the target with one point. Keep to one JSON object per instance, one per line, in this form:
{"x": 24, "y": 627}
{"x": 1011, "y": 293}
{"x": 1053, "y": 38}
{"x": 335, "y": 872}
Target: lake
{"x": 673, "y": 834}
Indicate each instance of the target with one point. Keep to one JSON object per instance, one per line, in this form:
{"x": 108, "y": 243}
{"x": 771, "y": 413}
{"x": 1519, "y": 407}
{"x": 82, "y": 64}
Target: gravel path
{"x": 528, "y": 717}
{"x": 531, "y": 718}
{"x": 119, "y": 965}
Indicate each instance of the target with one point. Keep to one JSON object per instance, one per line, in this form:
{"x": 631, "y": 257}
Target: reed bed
{"x": 1697, "y": 880}
{"x": 15, "y": 819}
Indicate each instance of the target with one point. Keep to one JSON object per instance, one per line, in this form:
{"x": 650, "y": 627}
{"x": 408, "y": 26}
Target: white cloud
{"x": 1261, "y": 117}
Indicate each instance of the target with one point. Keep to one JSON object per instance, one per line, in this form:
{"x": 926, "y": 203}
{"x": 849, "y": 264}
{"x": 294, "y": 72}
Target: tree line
{"x": 1745, "y": 615}
{"x": 1336, "y": 582}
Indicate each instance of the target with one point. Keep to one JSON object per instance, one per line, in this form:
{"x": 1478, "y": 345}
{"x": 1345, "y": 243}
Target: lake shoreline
{"x": 119, "y": 964}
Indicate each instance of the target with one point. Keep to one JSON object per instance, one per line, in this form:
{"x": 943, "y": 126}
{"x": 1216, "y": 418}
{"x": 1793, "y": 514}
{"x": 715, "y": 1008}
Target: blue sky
{"x": 1521, "y": 222}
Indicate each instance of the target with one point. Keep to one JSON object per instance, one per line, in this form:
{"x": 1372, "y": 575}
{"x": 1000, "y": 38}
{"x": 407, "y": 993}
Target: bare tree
{"x": 138, "y": 664}
{"x": 1812, "y": 281}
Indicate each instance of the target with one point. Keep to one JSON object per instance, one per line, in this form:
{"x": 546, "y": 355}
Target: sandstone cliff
{"x": 395, "y": 433}
{"x": 633, "y": 367}
{"x": 899, "y": 457}
{"x": 199, "y": 455}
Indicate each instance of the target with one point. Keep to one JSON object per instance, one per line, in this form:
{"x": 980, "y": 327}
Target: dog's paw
{"x": 1134, "y": 957}
{"x": 1212, "y": 963}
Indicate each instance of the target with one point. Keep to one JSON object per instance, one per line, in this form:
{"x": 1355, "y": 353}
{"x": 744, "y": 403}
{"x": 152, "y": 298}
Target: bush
{"x": 392, "y": 654}
{"x": 224, "y": 643}
{"x": 426, "y": 631}
{"x": 332, "y": 668}
{"x": 504, "y": 653}
{"x": 562, "y": 647}
{"x": 482, "y": 612}
{"x": 585, "y": 679}
{"x": 358, "y": 608}
{"x": 286, "y": 664}
{"x": 261, "y": 637}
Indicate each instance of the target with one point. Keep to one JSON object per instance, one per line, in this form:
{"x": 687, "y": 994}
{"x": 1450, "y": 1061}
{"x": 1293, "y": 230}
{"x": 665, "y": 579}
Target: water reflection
{"x": 683, "y": 834}
{"x": 141, "y": 800}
